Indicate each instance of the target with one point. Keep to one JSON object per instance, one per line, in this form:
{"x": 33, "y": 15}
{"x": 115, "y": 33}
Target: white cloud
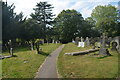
{"x": 83, "y": 6}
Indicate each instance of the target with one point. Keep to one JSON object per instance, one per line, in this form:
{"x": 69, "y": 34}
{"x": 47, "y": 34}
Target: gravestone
{"x": 114, "y": 46}
{"x": 117, "y": 39}
{"x": 11, "y": 51}
{"x": 73, "y": 41}
{"x": 81, "y": 39}
{"x": 103, "y": 51}
{"x": 53, "y": 41}
{"x": 87, "y": 42}
{"x": 56, "y": 42}
{"x": 77, "y": 39}
{"x": 10, "y": 47}
{"x": 38, "y": 46}
{"x": 81, "y": 44}
{"x": 31, "y": 43}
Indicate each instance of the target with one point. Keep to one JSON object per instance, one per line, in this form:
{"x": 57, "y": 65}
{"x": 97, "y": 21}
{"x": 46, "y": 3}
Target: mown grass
{"x": 86, "y": 66}
{"x": 26, "y": 62}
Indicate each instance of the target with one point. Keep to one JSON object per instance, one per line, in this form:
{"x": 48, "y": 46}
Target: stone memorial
{"x": 103, "y": 51}
{"x": 10, "y": 47}
{"x": 37, "y": 44}
{"x": 117, "y": 39}
{"x": 81, "y": 39}
{"x": 56, "y": 42}
{"x": 73, "y": 41}
{"x": 77, "y": 39}
{"x": 53, "y": 41}
{"x": 114, "y": 46}
{"x": 87, "y": 42}
{"x": 81, "y": 44}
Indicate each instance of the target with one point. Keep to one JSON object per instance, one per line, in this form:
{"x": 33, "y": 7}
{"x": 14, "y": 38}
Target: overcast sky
{"x": 85, "y": 7}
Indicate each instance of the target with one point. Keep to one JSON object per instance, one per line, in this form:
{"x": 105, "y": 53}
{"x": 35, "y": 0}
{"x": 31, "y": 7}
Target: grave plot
{"x": 87, "y": 66}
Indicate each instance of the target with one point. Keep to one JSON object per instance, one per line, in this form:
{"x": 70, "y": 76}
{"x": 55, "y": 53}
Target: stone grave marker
{"x": 10, "y": 47}
{"x": 103, "y": 51}
{"x": 53, "y": 41}
{"x": 114, "y": 46}
{"x": 73, "y": 41}
{"x": 81, "y": 44}
{"x": 87, "y": 42}
{"x": 117, "y": 39}
{"x": 81, "y": 39}
{"x": 77, "y": 39}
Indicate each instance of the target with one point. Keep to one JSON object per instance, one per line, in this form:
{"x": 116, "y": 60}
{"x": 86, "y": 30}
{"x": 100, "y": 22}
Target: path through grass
{"x": 26, "y": 62}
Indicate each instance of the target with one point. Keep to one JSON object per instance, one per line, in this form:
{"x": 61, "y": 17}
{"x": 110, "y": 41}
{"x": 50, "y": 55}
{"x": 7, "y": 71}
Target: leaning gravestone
{"x": 103, "y": 51}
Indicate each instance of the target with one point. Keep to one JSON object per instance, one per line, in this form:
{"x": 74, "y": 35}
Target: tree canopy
{"x": 105, "y": 17}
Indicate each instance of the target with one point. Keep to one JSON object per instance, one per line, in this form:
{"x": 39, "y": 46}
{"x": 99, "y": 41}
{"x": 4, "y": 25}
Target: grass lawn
{"x": 86, "y": 66}
{"x": 26, "y": 62}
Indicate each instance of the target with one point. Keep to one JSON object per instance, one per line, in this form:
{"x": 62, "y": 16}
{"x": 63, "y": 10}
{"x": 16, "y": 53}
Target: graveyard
{"x": 64, "y": 45}
{"x": 25, "y": 62}
{"x": 87, "y": 66}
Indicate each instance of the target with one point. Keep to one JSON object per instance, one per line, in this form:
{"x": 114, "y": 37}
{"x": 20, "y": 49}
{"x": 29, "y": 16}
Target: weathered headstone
{"x": 31, "y": 46}
{"x": 117, "y": 39}
{"x": 77, "y": 39}
{"x": 87, "y": 42}
{"x": 114, "y": 46}
{"x": 10, "y": 47}
{"x": 103, "y": 51}
{"x": 53, "y": 41}
{"x": 11, "y": 51}
{"x": 81, "y": 39}
{"x": 56, "y": 42}
{"x": 38, "y": 46}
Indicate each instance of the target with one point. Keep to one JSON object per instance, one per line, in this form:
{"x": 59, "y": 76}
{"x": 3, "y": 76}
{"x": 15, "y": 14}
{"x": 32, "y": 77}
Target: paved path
{"x": 49, "y": 68}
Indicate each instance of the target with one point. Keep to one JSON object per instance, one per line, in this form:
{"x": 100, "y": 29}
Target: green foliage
{"x": 10, "y": 22}
{"x": 68, "y": 25}
{"x": 43, "y": 16}
{"x": 105, "y": 17}
{"x": 92, "y": 31}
